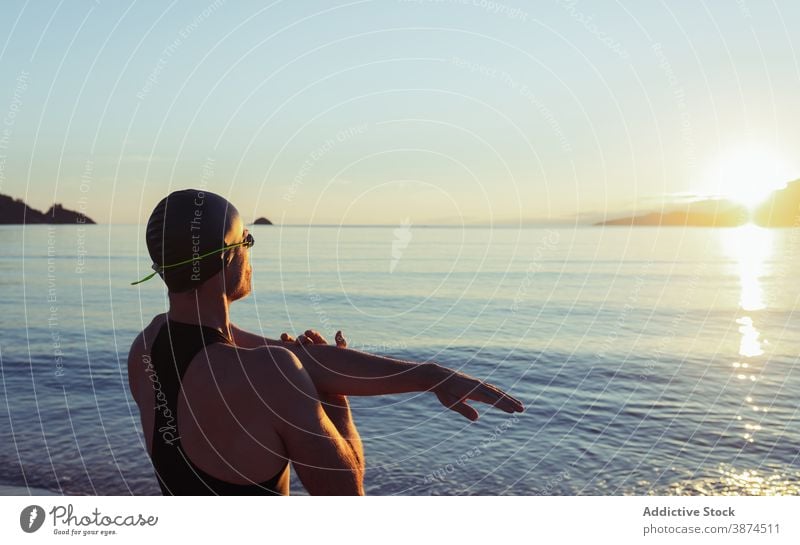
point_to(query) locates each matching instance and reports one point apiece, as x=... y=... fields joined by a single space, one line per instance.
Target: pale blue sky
x=377 y=111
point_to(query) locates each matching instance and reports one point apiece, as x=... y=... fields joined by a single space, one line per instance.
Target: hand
x=313 y=337
x=330 y=402
x=455 y=389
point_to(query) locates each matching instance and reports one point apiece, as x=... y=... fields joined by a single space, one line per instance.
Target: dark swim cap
x=186 y=224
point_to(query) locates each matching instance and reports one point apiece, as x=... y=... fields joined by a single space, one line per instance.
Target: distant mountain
x=677 y=218
x=262 y=221
x=781 y=209
x=15 y=211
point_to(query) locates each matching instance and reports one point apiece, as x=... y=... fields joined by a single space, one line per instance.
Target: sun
x=748 y=176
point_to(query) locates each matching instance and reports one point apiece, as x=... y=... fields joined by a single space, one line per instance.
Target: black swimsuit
x=176 y=473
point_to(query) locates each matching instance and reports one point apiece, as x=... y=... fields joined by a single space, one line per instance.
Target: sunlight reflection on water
x=752 y=248
x=740 y=482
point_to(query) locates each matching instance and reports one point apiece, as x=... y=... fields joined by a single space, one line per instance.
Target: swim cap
x=184 y=225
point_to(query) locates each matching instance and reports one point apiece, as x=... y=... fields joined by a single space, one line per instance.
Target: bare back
x=224 y=428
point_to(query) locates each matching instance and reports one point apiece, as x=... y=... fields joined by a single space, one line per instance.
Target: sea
x=651 y=361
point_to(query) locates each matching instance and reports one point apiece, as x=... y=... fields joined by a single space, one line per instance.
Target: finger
x=511 y=400
x=340 y=340
x=465 y=410
x=302 y=339
x=486 y=393
x=497 y=391
x=316 y=337
x=285 y=337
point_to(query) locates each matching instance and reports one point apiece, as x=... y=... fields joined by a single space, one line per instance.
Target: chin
x=240 y=293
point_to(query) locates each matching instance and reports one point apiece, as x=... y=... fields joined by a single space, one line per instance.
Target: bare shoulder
x=145 y=338
x=274 y=365
x=139 y=354
x=277 y=378
x=140 y=347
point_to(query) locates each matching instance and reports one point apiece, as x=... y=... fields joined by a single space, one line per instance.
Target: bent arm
x=338 y=410
x=322 y=456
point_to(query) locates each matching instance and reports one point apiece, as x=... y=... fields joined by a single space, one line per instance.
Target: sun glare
x=748 y=176
x=751 y=248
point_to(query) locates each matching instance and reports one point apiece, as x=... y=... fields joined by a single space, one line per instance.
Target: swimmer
x=225 y=411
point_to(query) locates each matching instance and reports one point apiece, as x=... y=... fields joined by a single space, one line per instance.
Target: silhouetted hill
x=674 y=219
x=262 y=221
x=709 y=213
x=15 y=211
x=781 y=209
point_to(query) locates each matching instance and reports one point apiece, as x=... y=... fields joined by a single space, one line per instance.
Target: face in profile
x=237 y=275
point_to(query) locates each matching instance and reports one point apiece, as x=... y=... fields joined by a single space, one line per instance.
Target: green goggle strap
x=161 y=268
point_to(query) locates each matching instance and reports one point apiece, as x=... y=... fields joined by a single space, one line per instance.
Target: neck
x=199 y=307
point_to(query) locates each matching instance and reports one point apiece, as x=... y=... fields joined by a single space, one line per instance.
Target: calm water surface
x=651 y=361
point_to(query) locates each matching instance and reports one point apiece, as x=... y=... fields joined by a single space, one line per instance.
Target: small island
x=16 y=212
x=262 y=221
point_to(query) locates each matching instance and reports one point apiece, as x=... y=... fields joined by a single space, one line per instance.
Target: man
x=224 y=410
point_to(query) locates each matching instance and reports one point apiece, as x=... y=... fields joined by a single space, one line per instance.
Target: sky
x=385 y=111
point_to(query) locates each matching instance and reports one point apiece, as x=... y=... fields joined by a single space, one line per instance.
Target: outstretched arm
x=344 y=371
